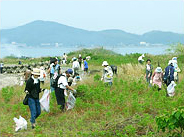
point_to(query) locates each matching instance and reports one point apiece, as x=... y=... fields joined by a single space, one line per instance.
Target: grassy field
x=128 y=108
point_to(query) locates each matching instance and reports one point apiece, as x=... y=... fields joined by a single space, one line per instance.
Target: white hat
x=170 y=62
x=158 y=69
x=105 y=63
x=174 y=58
x=36 y=71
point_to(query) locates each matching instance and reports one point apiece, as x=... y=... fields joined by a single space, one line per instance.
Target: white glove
x=26 y=92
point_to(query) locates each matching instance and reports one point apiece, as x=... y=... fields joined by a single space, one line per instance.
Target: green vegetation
x=128 y=108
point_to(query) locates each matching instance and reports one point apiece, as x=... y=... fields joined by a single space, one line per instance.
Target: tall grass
x=128 y=108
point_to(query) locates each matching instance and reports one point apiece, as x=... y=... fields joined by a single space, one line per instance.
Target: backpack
x=54 y=76
x=167 y=77
x=54 y=84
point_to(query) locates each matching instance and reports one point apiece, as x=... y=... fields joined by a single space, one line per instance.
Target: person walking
x=169 y=73
x=149 y=69
x=75 y=66
x=33 y=89
x=54 y=72
x=157 y=77
x=85 y=66
x=1 y=67
x=107 y=74
x=62 y=84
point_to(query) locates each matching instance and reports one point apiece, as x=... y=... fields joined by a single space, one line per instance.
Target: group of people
x=60 y=82
x=158 y=77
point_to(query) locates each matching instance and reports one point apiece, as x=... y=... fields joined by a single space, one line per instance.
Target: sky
x=134 y=16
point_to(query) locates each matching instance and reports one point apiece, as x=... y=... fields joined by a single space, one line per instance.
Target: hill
x=38 y=32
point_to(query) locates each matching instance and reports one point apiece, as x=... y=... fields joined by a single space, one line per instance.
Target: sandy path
x=9 y=80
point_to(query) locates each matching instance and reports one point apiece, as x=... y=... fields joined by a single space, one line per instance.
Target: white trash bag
x=45 y=101
x=70 y=102
x=171 y=89
x=21 y=123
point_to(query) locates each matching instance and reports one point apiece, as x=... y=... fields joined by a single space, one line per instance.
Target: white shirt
x=141 y=58
x=62 y=82
x=76 y=64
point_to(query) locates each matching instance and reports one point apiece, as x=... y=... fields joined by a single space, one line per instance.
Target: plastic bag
x=45 y=100
x=70 y=102
x=171 y=89
x=21 y=123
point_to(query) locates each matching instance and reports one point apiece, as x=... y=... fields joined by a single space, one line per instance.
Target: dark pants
x=60 y=97
x=34 y=106
x=86 y=69
x=80 y=63
x=1 y=70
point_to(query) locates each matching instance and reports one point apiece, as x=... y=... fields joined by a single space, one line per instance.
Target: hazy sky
x=135 y=16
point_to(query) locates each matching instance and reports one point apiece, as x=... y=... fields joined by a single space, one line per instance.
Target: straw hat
x=158 y=69
x=105 y=63
x=36 y=71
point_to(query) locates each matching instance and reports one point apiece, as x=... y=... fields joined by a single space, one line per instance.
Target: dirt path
x=9 y=80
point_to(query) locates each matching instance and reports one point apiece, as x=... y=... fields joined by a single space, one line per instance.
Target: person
x=64 y=58
x=149 y=69
x=176 y=68
x=157 y=77
x=140 y=59
x=27 y=74
x=107 y=74
x=1 y=67
x=75 y=66
x=62 y=84
x=33 y=89
x=43 y=75
x=85 y=66
x=114 y=69
x=80 y=60
x=169 y=73
x=54 y=72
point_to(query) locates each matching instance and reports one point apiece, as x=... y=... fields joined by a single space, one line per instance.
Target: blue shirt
x=53 y=69
x=85 y=64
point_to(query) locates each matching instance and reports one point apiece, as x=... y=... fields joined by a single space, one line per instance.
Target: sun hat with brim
x=105 y=63
x=170 y=62
x=158 y=69
x=36 y=71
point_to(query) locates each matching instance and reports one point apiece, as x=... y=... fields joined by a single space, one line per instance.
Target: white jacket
x=76 y=64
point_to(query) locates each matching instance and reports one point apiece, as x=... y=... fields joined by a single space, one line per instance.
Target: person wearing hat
x=75 y=65
x=61 y=86
x=157 y=78
x=107 y=74
x=149 y=69
x=33 y=89
x=54 y=71
x=169 y=73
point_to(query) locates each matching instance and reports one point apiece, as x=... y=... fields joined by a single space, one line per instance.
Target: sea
x=42 y=51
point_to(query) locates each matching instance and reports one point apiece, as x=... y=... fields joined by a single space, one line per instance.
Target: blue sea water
x=39 y=51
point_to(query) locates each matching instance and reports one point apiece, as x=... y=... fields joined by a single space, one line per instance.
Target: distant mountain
x=38 y=32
